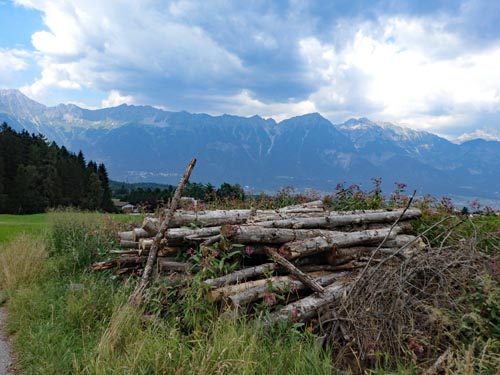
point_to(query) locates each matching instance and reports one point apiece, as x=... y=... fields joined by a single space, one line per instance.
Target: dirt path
x=5 y=359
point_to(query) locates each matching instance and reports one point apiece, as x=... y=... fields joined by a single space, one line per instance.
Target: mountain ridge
x=142 y=142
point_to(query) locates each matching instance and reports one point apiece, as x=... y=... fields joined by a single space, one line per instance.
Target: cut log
x=139 y=233
x=242 y=275
x=329 y=239
x=174 y=266
x=100 y=266
x=126 y=244
x=255 y=234
x=127 y=236
x=151 y=226
x=400 y=241
x=326 y=267
x=180 y=236
x=125 y=252
x=307 y=280
x=145 y=243
x=307 y=308
x=336 y=220
x=211 y=218
x=130 y=261
x=225 y=291
x=313 y=204
x=286 y=284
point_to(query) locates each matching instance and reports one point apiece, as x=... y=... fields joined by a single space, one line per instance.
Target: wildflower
x=249 y=250
x=475 y=204
x=371 y=351
x=400 y=185
x=191 y=252
x=269 y=299
x=415 y=346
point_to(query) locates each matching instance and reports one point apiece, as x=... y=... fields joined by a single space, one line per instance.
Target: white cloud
x=246 y=104
x=115 y=99
x=410 y=71
x=129 y=45
x=490 y=134
x=11 y=60
x=276 y=60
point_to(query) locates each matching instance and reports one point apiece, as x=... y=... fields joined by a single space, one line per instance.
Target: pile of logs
x=305 y=252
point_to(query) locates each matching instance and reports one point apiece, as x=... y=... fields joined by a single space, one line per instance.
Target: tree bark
x=127 y=236
x=174 y=266
x=276 y=284
x=137 y=296
x=185 y=236
x=306 y=308
x=151 y=225
x=294 y=270
x=329 y=239
x=400 y=240
x=126 y=244
x=242 y=275
x=337 y=220
x=139 y=233
x=225 y=291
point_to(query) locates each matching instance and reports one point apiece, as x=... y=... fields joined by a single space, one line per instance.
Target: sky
x=432 y=65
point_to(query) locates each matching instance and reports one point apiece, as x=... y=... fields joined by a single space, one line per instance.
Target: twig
x=384 y=240
x=406 y=245
x=137 y=296
x=307 y=280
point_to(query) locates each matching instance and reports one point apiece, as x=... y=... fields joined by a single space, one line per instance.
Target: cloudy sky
x=428 y=64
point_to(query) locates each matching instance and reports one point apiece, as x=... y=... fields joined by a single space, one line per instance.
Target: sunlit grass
x=13 y=225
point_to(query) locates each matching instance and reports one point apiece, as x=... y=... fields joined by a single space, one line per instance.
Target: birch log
x=151 y=226
x=330 y=239
x=281 y=283
x=127 y=244
x=306 y=308
x=139 y=233
x=241 y=275
x=336 y=220
x=127 y=236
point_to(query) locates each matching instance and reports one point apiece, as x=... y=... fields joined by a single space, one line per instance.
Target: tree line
x=151 y=197
x=36 y=175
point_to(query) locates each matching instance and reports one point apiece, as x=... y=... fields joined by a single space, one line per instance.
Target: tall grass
x=22 y=262
x=227 y=346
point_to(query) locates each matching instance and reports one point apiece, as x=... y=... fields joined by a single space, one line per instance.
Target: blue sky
x=428 y=64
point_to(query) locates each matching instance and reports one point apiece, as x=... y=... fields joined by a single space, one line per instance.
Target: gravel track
x=5 y=359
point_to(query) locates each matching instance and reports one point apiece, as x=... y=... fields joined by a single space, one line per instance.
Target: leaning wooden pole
x=137 y=296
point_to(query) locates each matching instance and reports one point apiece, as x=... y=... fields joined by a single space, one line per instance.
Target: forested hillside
x=36 y=175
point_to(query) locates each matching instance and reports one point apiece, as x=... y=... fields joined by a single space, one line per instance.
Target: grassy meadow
x=12 y=226
x=66 y=319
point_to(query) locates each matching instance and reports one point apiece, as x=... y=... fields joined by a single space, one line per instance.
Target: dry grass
x=21 y=262
x=123 y=326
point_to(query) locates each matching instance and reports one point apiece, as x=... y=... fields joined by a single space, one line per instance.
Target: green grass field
x=13 y=225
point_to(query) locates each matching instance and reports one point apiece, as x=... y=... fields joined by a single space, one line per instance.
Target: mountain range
x=142 y=143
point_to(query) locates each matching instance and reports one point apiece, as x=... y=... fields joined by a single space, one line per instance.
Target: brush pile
x=305 y=254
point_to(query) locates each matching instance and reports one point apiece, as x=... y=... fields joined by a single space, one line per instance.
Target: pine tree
x=107 y=203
